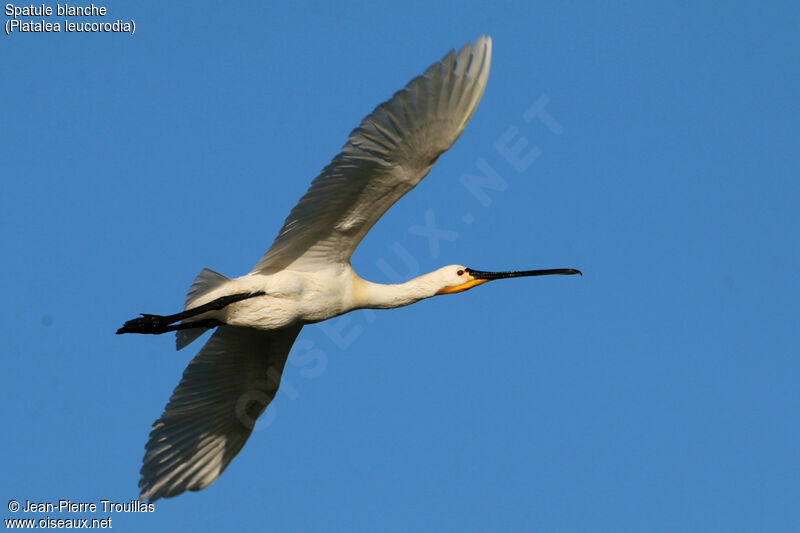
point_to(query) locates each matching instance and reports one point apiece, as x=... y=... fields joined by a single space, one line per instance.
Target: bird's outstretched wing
x=385 y=157
x=213 y=410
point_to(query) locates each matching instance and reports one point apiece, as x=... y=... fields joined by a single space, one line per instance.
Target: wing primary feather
x=202 y=429
x=385 y=156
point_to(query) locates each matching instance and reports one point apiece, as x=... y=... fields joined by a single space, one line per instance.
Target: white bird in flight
x=306 y=277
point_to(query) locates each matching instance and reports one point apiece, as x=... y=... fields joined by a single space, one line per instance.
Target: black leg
x=205 y=323
x=157 y=324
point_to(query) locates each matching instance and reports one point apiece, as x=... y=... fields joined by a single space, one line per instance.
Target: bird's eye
x=460 y=272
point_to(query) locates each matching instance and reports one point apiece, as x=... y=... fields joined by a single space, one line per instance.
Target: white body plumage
x=295 y=297
x=306 y=276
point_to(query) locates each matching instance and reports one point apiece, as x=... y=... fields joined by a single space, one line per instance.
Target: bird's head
x=458 y=278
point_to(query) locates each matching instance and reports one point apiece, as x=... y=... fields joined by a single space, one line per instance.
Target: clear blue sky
x=657 y=393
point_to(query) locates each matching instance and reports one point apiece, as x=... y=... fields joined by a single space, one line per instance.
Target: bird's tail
x=206 y=281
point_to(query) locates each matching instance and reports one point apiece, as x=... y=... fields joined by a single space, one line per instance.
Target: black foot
x=157 y=324
x=153 y=324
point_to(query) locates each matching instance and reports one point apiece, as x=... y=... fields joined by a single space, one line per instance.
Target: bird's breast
x=291 y=298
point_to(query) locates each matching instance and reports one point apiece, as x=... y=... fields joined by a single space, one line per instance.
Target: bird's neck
x=368 y=295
